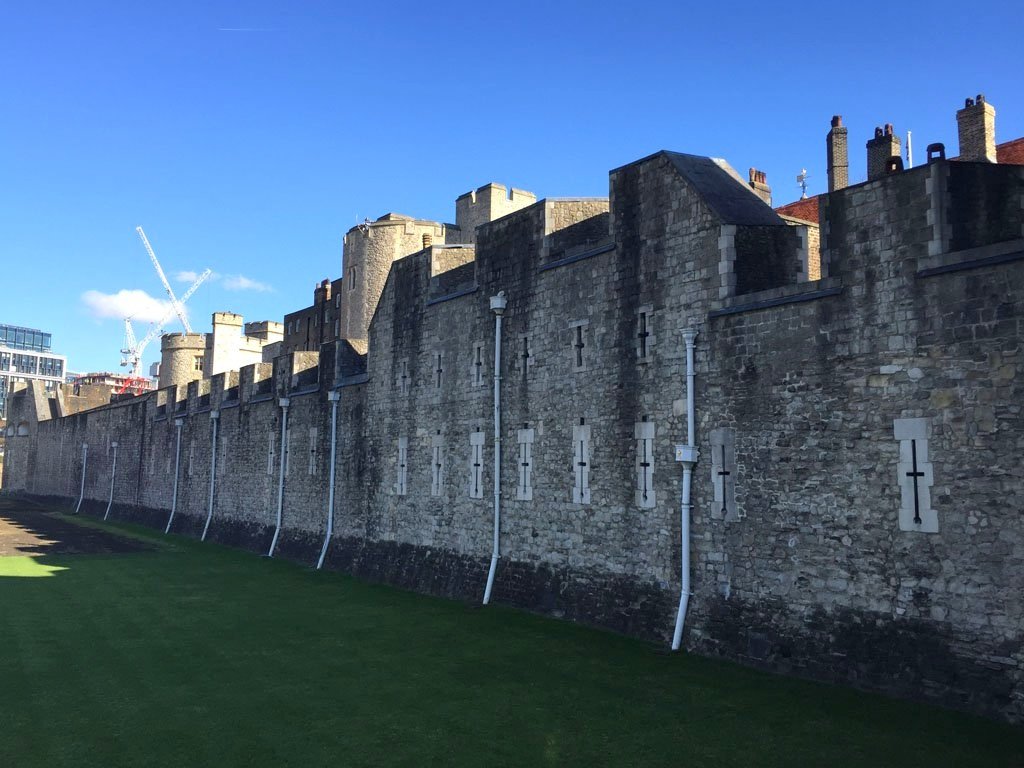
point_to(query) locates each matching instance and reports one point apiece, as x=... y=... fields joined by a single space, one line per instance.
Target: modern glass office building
x=25 y=354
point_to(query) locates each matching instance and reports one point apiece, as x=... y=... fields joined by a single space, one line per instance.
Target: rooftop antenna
x=910 y=154
x=801 y=179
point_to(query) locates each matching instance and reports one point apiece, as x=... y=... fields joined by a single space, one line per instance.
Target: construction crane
x=131 y=354
x=175 y=304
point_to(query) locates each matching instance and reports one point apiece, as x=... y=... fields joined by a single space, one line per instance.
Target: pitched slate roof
x=723 y=190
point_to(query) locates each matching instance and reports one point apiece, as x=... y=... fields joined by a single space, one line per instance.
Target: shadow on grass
x=202 y=655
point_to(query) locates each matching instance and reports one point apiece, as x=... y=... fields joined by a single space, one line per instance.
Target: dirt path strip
x=26 y=529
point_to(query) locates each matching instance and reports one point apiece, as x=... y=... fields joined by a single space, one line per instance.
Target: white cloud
x=243 y=283
x=188 y=276
x=135 y=304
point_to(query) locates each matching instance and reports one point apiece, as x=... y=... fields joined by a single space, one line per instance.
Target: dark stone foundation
x=907 y=658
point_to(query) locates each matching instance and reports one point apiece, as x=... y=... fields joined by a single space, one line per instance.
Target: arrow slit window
x=581 y=463
x=644 y=435
x=287 y=448
x=403 y=465
x=402 y=376
x=311 y=470
x=578 y=344
x=436 y=465
x=723 y=474
x=438 y=372
x=915 y=476
x=524 y=491
x=644 y=334
x=477 y=367
x=476 y=465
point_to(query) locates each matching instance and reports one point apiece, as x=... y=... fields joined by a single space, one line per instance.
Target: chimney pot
x=881 y=149
x=428 y=240
x=759 y=184
x=837 y=155
x=976 y=126
x=936 y=151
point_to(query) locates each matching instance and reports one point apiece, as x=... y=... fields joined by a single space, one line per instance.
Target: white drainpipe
x=334 y=396
x=284 y=402
x=498 y=307
x=688 y=456
x=113 y=471
x=179 y=423
x=215 y=420
x=85 y=463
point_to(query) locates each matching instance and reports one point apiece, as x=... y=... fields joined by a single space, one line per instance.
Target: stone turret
x=181 y=358
x=485 y=204
x=369 y=250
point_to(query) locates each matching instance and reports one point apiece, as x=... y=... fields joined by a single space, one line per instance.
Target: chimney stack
x=881 y=149
x=838 y=158
x=976 y=124
x=759 y=183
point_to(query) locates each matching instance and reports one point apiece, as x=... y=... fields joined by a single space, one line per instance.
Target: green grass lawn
x=194 y=654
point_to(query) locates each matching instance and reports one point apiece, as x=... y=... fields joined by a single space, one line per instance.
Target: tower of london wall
x=856 y=501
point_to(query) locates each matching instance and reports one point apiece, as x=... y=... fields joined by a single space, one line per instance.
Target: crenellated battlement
x=856 y=433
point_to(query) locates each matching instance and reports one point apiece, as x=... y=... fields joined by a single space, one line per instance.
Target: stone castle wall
x=808 y=397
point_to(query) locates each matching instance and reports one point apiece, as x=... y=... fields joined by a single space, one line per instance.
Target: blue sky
x=248 y=137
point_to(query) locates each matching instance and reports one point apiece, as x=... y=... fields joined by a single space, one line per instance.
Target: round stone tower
x=181 y=358
x=369 y=250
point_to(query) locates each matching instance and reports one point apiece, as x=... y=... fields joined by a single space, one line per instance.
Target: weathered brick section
x=801 y=563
